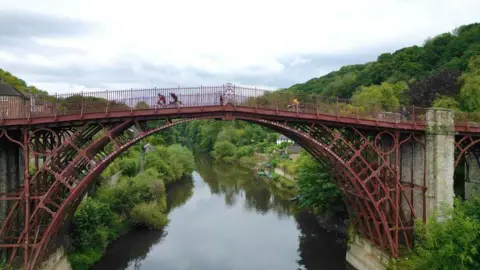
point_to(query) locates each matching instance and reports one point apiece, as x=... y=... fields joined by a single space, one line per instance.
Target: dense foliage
x=447 y=53
x=229 y=141
x=137 y=199
x=450 y=244
x=316 y=189
x=19 y=84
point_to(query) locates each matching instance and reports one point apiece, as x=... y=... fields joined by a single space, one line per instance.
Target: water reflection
x=130 y=250
x=317 y=247
x=179 y=193
x=234 y=181
x=223 y=218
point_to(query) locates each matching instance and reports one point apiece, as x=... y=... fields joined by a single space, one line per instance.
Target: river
x=224 y=218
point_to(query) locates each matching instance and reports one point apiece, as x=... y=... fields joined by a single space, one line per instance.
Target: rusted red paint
x=363 y=150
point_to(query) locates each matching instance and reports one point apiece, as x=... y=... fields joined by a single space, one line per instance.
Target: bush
x=451 y=244
x=150 y=215
x=181 y=160
x=315 y=188
x=224 y=149
x=244 y=151
x=129 y=166
x=91 y=223
x=83 y=259
x=119 y=197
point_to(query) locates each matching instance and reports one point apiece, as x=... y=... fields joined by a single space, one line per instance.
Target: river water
x=224 y=218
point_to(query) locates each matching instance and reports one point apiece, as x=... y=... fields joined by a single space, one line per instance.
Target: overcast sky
x=68 y=45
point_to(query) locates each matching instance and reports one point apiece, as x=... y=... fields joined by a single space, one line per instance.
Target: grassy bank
x=136 y=199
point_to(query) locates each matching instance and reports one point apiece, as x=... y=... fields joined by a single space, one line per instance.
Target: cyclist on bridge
x=175 y=99
x=294 y=104
x=161 y=100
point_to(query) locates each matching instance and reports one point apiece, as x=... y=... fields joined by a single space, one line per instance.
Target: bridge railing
x=140 y=99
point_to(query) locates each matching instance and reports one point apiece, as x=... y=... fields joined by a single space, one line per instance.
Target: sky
x=70 y=45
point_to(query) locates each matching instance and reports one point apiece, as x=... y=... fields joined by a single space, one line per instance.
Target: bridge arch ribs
x=365 y=166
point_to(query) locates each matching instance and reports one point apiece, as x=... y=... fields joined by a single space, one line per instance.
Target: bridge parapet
x=133 y=100
x=205 y=96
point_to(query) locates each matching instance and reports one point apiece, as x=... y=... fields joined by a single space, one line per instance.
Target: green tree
x=316 y=189
x=446 y=103
x=91 y=222
x=129 y=166
x=470 y=92
x=150 y=215
x=386 y=94
x=181 y=160
x=224 y=150
x=450 y=51
x=451 y=244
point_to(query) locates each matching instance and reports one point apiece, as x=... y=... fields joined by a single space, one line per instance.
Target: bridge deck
x=70 y=109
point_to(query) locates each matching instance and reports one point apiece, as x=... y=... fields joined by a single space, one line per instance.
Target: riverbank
x=228 y=208
x=136 y=199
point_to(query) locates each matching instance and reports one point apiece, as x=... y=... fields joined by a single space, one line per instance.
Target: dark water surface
x=226 y=219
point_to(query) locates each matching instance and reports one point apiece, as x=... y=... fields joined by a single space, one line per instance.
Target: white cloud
x=231 y=38
x=299 y=61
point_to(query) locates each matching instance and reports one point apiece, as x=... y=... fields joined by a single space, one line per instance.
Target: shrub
x=150 y=215
x=243 y=151
x=224 y=149
x=451 y=244
x=129 y=166
x=181 y=160
x=315 y=188
x=91 y=224
x=83 y=259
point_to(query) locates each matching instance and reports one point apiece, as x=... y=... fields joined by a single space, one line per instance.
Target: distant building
x=148 y=148
x=13 y=103
x=282 y=139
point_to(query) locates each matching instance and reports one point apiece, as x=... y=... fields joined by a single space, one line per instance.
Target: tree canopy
x=436 y=70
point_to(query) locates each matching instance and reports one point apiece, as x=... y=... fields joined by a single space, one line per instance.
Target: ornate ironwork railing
x=203 y=96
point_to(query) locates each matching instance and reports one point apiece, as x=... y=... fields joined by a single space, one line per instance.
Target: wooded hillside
x=444 y=72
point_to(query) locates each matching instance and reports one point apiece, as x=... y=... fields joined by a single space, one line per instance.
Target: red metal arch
x=94 y=172
x=463 y=145
x=304 y=139
x=365 y=207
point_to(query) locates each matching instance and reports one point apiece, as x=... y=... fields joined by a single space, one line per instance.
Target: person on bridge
x=294 y=104
x=175 y=99
x=161 y=100
x=405 y=113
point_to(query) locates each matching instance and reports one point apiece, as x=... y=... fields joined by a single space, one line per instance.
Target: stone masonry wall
x=472 y=183
x=440 y=150
x=412 y=164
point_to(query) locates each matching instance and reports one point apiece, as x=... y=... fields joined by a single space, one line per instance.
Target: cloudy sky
x=68 y=45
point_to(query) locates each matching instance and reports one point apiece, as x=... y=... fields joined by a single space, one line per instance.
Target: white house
x=283 y=138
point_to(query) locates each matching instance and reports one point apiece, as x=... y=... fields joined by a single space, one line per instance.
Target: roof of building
x=8 y=90
x=283 y=138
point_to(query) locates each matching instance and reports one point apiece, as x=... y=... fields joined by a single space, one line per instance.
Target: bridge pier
x=11 y=172
x=363 y=255
x=472 y=175
x=11 y=176
x=427 y=161
x=440 y=156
